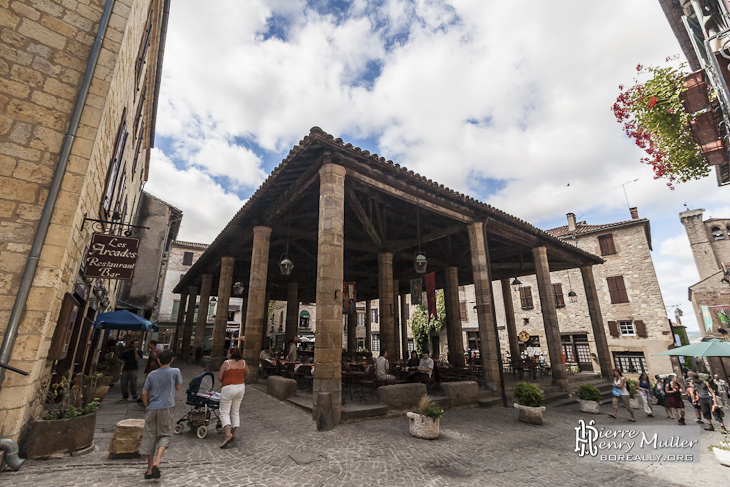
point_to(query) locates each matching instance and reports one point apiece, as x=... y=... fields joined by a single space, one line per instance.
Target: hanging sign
x=417 y=291
x=349 y=297
x=430 y=281
x=111 y=257
x=523 y=336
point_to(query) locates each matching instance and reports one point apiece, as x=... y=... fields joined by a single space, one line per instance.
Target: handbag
x=616 y=392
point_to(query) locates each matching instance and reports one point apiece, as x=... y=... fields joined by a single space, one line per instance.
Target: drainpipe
x=11 y=453
x=40 y=236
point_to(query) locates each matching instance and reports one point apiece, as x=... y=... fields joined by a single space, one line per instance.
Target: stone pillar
x=385 y=298
x=188 y=330
x=599 y=331
x=509 y=311
x=368 y=326
x=292 y=311
x=179 y=325
x=489 y=348
x=203 y=306
x=454 y=336
x=404 y=326
x=217 y=349
x=256 y=307
x=550 y=318
x=395 y=351
x=330 y=273
x=265 y=341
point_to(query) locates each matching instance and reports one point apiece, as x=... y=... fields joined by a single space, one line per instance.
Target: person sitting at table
x=414 y=360
x=382 y=367
x=424 y=370
x=305 y=361
x=266 y=355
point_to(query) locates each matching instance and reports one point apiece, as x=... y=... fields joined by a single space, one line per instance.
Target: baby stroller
x=203 y=401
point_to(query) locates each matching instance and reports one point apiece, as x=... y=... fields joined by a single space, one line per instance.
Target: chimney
x=634 y=213
x=571 y=222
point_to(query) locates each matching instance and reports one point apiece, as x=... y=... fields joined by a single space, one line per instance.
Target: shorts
x=706 y=404
x=157 y=430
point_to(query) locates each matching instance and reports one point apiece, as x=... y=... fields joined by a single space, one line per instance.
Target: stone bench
x=127 y=438
x=281 y=387
x=401 y=396
x=461 y=393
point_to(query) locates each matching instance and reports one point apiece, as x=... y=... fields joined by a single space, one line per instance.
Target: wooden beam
x=398 y=245
x=362 y=216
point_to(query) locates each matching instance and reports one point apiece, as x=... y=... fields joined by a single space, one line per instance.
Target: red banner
x=430 y=281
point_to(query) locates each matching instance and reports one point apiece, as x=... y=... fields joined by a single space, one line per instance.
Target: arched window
x=717 y=233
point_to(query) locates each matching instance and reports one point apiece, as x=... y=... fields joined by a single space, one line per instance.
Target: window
x=617 y=289
x=376 y=342
x=281 y=317
x=231 y=316
x=112 y=176
x=211 y=311
x=472 y=339
x=175 y=309
x=138 y=115
x=374 y=315
x=360 y=319
x=526 y=297
x=717 y=234
x=525 y=321
x=137 y=150
x=411 y=345
x=142 y=53
x=462 y=310
x=558 y=291
x=630 y=362
x=188 y=258
x=360 y=343
x=303 y=322
x=606 y=244
x=626 y=328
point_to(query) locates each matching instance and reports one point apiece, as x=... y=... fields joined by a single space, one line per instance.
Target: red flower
x=652 y=102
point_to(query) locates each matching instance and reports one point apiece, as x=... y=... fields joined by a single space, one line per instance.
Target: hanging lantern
x=286 y=265
x=572 y=296
x=238 y=288
x=516 y=284
x=420 y=263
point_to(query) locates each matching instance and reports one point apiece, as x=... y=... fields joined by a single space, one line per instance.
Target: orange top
x=233 y=376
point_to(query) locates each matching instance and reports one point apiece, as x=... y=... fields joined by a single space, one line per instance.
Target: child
x=158 y=396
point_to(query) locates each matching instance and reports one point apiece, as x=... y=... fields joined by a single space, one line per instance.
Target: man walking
x=708 y=402
x=721 y=390
x=152 y=363
x=129 y=357
x=158 y=396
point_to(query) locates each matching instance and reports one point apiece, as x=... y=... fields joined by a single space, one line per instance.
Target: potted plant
x=95 y=388
x=633 y=387
x=722 y=451
x=67 y=424
x=424 y=419
x=590 y=399
x=529 y=398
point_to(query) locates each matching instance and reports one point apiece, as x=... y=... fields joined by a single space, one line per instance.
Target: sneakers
x=723 y=430
x=710 y=428
x=681 y=422
x=699 y=421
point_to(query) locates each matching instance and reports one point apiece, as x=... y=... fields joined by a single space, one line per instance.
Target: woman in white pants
x=645 y=393
x=232 y=375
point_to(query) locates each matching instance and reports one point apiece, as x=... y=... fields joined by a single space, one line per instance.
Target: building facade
x=79 y=84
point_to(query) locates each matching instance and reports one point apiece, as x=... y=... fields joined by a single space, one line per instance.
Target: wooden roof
x=383 y=203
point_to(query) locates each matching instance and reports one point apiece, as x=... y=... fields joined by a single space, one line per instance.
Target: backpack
x=659 y=390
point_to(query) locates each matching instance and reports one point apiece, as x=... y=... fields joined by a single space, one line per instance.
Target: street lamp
x=420 y=263
x=238 y=288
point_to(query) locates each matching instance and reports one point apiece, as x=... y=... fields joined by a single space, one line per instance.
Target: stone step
x=352 y=412
x=490 y=401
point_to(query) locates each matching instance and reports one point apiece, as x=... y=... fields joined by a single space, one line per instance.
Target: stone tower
x=708 y=240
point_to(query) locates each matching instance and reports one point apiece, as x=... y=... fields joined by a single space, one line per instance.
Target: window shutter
x=640 y=328
x=558 y=291
x=526 y=297
x=606 y=244
x=462 y=310
x=621 y=289
x=613 y=328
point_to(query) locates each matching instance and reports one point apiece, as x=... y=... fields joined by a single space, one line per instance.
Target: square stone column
x=395 y=352
x=489 y=348
x=180 y=323
x=509 y=311
x=188 y=329
x=599 y=331
x=207 y=283
x=385 y=293
x=550 y=318
x=265 y=340
x=404 y=326
x=292 y=312
x=352 y=331
x=256 y=301
x=454 y=336
x=368 y=326
x=217 y=349
x=330 y=273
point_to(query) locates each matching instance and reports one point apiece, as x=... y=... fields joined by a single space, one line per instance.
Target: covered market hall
x=343 y=215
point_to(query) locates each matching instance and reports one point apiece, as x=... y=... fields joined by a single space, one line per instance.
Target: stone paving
x=278 y=444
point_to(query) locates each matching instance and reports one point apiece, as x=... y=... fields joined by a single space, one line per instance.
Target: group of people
x=421 y=369
x=708 y=396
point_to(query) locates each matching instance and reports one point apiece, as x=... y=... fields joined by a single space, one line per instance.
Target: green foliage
x=63 y=399
x=420 y=325
x=633 y=387
x=589 y=393
x=426 y=407
x=528 y=394
x=91 y=407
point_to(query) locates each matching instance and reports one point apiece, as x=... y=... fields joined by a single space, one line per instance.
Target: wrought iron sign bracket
x=98 y=228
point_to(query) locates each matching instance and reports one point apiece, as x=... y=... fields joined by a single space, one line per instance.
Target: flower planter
x=714 y=152
x=722 y=455
x=48 y=437
x=423 y=426
x=695 y=97
x=529 y=414
x=704 y=128
x=592 y=407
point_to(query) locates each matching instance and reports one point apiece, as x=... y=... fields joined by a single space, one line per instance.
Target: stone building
x=635 y=319
x=79 y=83
x=710 y=297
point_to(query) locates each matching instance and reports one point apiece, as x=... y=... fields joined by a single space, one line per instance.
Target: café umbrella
x=710 y=348
x=123 y=320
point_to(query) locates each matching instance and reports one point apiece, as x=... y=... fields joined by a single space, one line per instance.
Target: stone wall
x=699 y=240
x=44 y=49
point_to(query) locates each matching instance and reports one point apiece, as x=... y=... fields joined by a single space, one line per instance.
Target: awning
x=123 y=320
x=304 y=314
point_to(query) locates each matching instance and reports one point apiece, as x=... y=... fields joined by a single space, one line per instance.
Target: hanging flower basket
x=714 y=152
x=695 y=96
x=704 y=128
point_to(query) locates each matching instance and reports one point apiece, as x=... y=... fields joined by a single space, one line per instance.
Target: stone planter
x=634 y=402
x=48 y=437
x=592 y=407
x=529 y=414
x=99 y=393
x=722 y=455
x=423 y=426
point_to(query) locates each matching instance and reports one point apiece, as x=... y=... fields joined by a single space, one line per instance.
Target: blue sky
x=508 y=102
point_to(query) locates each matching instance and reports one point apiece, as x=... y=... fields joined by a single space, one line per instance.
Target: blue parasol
x=124 y=320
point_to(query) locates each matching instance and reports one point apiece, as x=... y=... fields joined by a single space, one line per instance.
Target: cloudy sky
x=508 y=102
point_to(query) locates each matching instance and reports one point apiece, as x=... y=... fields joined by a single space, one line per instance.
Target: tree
x=420 y=325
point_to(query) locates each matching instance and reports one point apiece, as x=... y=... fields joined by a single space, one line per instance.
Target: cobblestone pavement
x=278 y=444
